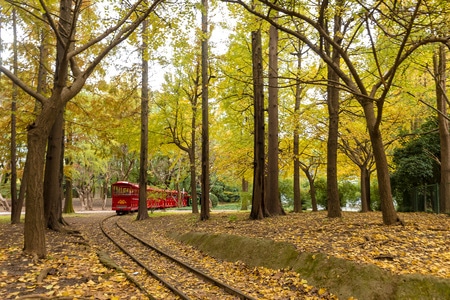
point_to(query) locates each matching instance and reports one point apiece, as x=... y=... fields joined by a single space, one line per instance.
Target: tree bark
x=364 y=190
x=440 y=77
x=143 y=163
x=53 y=175
x=14 y=201
x=204 y=214
x=384 y=185
x=298 y=90
x=273 y=202
x=34 y=228
x=334 y=206
x=192 y=154
x=312 y=189
x=68 y=196
x=258 y=206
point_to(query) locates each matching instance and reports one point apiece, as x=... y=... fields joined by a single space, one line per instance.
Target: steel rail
x=172 y=288
x=229 y=289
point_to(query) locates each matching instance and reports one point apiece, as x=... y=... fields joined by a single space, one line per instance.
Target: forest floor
x=72 y=269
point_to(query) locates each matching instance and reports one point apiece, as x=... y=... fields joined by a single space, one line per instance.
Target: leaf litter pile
x=72 y=269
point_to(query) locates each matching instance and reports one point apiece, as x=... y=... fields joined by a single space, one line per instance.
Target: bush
x=214 y=200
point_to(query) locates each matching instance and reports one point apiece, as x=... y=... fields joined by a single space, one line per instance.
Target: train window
x=119 y=190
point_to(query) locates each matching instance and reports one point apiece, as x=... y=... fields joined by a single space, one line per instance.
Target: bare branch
x=23 y=85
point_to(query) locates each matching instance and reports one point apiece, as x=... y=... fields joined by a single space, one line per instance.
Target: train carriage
x=125 y=198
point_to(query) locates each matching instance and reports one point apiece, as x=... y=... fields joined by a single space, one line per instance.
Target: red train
x=125 y=197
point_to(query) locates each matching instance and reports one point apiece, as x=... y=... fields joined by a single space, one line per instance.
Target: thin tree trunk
x=258 y=206
x=298 y=90
x=68 y=196
x=193 y=174
x=244 y=195
x=334 y=206
x=384 y=185
x=440 y=76
x=312 y=190
x=143 y=165
x=14 y=201
x=363 y=180
x=204 y=215
x=273 y=202
x=192 y=155
x=368 y=198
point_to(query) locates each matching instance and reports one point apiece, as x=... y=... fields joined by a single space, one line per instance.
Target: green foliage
x=214 y=199
x=321 y=191
x=246 y=199
x=415 y=163
x=286 y=192
x=375 y=201
x=224 y=192
x=349 y=192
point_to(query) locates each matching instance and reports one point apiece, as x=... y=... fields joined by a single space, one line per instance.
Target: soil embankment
x=341 y=277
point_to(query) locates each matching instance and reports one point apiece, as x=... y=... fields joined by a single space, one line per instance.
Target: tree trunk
x=312 y=190
x=363 y=180
x=384 y=185
x=368 y=198
x=68 y=196
x=440 y=77
x=143 y=164
x=193 y=173
x=16 y=211
x=204 y=215
x=14 y=201
x=298 y=90
x=334 y=205
x=38 y=133
x=68 y=202
x=53 y=175
x=273 y=202
x=34 y=229
x=192 y=156
x=258 y=207
x=244 y=195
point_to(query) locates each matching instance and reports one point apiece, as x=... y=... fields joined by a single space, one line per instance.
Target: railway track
x=171 y=278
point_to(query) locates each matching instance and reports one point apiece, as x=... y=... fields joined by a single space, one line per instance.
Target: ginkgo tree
x=75 y=57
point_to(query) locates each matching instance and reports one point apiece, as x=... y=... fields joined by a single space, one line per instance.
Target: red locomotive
x=125 y=198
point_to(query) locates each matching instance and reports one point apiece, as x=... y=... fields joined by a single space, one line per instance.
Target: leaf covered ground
x=73 y=269
x=421 y=246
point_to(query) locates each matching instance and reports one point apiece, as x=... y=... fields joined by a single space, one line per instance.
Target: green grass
x=229 y=206
x=6 y=219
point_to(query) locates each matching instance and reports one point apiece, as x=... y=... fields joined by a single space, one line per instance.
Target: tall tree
x=63 y=91
x=185 y=86
x=334 y=207
x=296 y=133
x=17 y=207
x=272 y=197
x=205 y=207
x=440 y=68
x=143 y=162
x=259 y=210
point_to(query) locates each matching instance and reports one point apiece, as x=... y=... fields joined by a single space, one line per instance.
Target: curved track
x=183 y=280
